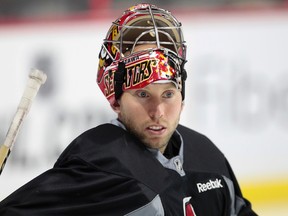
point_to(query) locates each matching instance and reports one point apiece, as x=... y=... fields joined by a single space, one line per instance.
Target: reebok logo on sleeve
x=202 y=187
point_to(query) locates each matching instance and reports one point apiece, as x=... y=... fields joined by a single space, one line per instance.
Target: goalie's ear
x=116 y=107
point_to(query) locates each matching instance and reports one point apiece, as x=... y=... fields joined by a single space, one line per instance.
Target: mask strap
x=183 y=79
x=119 y=76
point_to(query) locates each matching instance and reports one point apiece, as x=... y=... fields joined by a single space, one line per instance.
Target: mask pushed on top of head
x=143 y=46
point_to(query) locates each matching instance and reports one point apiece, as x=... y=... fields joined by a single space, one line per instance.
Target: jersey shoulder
x=93 y=143
x=201 y=154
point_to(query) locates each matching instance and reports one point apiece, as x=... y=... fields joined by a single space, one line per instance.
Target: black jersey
x=107 y=171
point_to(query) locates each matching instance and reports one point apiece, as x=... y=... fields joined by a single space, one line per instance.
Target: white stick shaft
x=36 y=79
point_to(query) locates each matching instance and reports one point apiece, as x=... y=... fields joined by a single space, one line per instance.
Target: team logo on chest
x=187 y=207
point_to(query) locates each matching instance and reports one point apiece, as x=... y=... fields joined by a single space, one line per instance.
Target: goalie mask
x=122 y=66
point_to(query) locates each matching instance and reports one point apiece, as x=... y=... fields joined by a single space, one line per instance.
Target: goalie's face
x=151 y=113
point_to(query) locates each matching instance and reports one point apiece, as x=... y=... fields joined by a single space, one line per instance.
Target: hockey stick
x=36 y=79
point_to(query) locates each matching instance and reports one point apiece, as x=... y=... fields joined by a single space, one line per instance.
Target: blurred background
x=237 y=87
